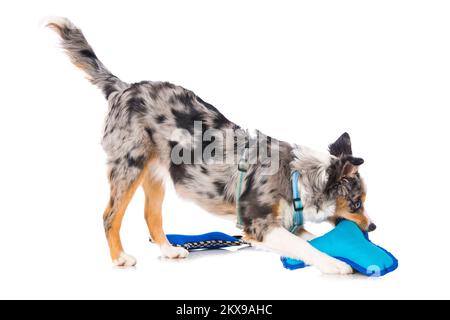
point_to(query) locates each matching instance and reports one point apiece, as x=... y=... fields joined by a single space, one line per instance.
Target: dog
x=150 y=134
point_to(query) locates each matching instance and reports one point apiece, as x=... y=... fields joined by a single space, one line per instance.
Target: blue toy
x=348 y=243
x=345 y=242
x=212 y=240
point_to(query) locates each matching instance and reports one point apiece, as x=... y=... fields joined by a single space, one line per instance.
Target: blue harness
x=297 y=203
x=296 y=199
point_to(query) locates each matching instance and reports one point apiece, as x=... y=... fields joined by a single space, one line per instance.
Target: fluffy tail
x=81 y=54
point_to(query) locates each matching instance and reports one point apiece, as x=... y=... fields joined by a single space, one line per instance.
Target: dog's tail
x=81 y=54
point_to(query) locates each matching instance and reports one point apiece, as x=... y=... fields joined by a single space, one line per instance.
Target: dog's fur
x=139 y=141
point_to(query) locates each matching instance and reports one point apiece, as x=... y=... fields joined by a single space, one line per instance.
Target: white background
x=303 y=72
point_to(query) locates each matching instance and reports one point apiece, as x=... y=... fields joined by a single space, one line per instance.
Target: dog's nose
x=372 y=226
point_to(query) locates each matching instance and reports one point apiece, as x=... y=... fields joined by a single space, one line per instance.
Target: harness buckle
x=243 y=165
x=298 y=204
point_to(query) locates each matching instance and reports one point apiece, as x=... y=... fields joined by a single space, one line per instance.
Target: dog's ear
x=342 y=146
x=343 y=167
x=351 y=165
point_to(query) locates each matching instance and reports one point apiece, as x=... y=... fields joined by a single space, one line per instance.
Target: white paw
x=125 y=260
x=330 y=265
x=171 y=252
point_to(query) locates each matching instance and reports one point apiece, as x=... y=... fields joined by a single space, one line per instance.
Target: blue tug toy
x=345 y=242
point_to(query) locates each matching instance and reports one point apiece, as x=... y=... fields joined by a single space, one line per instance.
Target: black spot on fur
x=220 y=120
x=150 y=134
x=250 y=202
x=207 y=105
x=135 y=88
x=210 y=195
x=178 y=172
x=203 y=169
x=220 y=187
x=185 y=119
x=134 y=91
x=161 y=118
x=155 y=89
x=92 y=58
x=168 y=85
x=251 y=209
x=172 y=144
x=108 y=89
x=136 y=105
x=88 y=54
x=186 y=98
x=137 y=162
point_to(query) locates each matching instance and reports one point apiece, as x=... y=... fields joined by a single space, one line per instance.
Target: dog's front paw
x=328 y=265
x=124 y=260
x=171 y=252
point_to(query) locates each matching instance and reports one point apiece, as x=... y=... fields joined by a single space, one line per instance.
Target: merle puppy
x=150 y=133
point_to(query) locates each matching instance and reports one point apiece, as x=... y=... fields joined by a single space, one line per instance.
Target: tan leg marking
x=118 y=204
x=154 y=196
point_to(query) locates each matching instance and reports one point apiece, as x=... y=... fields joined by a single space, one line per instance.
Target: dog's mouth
x=361 y=220
x=358 y=217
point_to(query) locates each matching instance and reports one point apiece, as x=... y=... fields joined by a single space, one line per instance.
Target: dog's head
x=346 y=185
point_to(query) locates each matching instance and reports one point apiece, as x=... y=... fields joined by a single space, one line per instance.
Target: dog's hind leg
x=124 y=180
x=154 y=195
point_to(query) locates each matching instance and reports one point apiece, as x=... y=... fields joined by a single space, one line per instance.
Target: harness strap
x=296 y=200
x=297 y=203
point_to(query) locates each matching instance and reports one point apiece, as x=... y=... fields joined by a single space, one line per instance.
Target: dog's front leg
x=305 y=234
x=287 y=244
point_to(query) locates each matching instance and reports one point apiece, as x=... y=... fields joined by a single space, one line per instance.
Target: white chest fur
x=310 y=214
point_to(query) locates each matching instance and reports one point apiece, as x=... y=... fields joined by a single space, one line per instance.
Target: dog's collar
x=296 y=202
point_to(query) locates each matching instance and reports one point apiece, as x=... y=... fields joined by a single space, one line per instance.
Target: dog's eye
x=357 y=205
